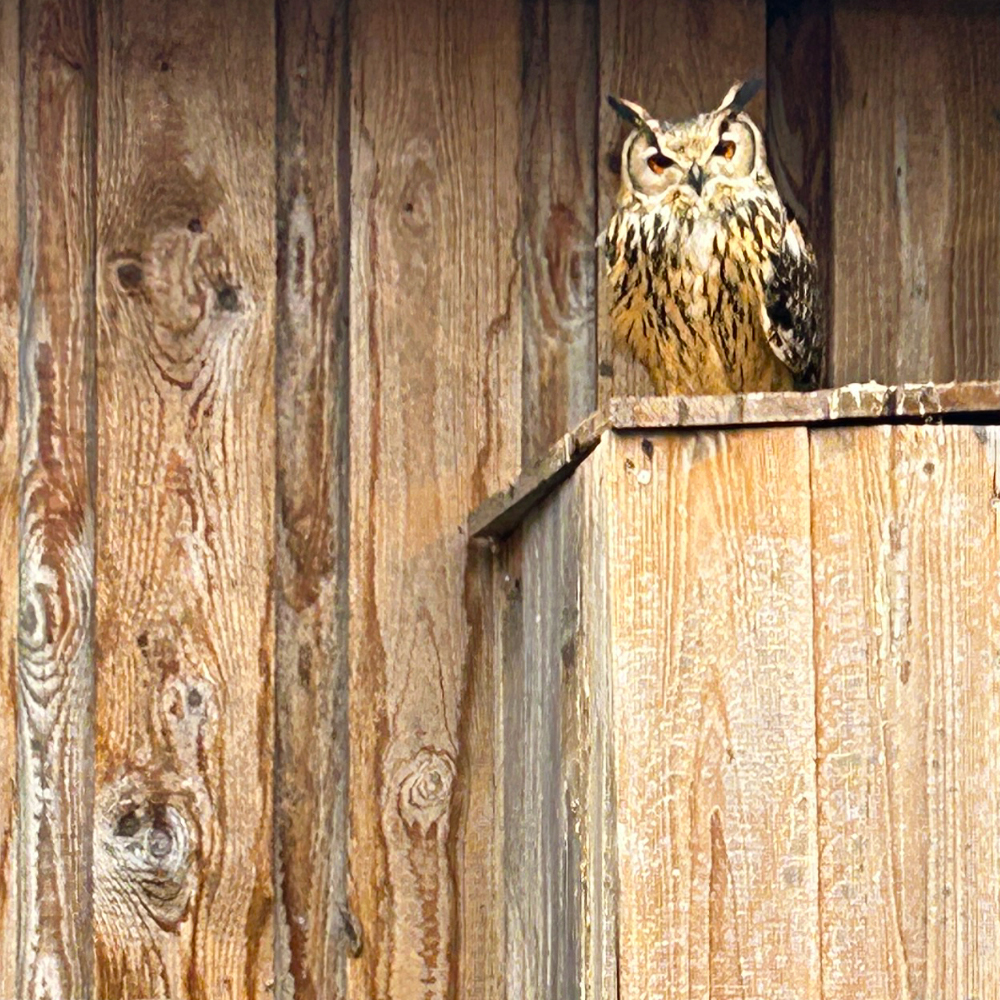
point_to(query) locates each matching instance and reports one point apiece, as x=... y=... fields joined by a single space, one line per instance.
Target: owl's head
x=705 y=160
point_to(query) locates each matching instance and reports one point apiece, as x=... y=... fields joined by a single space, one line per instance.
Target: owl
x=713 y=286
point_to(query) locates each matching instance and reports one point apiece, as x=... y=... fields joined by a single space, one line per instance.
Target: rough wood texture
x=541 y=844
x=558 y=150
x=435 y=425
x=677 y=58
x=916 y=149
x=558 y=820
x=56 y=524
x=478 y=815
x=9 y=477
x=183 y=885
x=711 y=616
x=906 y=550
x=499 y=514
x=315 y=931
x=799 y=61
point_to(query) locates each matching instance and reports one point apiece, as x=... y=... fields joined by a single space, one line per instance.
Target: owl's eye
x=658 y=163
x=726 y=148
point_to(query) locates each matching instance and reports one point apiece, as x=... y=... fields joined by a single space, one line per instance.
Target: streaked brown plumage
x=713 y=287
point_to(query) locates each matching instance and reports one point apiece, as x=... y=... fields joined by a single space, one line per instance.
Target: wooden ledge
x=498 y=515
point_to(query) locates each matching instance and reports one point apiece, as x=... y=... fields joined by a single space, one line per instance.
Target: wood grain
x=477 y=848
x=558 y=152
x=905 y=557
x=435 y=425
x=502 y=512
x=676 y=58
x=541 y=843
x=315 y=933
x=56 y=526
x=183 y=885
x=713 y=698
x=799 y=68
x=9 y=490
x=916 y=144
x=558 y=812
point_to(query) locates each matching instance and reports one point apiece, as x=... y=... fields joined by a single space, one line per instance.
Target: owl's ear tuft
x=741 y=94
x=629 y=111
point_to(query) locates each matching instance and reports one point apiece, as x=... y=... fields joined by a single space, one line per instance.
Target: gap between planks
x=500 y=513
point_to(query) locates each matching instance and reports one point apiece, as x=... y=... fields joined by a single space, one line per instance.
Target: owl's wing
x=793 y=302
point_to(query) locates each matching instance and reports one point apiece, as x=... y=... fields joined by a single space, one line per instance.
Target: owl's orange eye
x=658 y=163
x=726 y=148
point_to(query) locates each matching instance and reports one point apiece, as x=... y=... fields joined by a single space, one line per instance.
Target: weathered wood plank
x=183 y=884
x=9 y=478
x=499 y=514
x=435 y=425
x=558 y=817
x=56 y=524
x=558 y=152
x=315 y=932
x=799 y=66
x=676 y=58
x=916 y=244
x=711 y=626
x=541 y=844
x=905 y=557
x=478 y=844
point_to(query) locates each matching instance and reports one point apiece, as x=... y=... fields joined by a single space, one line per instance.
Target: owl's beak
x=696 y=177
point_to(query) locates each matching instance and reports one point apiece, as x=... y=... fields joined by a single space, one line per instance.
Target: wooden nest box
x=748 y=662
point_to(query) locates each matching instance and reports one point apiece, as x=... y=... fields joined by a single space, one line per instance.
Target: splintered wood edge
x=500 y=514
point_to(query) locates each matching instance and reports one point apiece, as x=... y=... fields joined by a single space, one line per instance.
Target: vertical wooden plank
x=799 y=67
x=9 y=318
x=56 y=525
x=713 y=714
x=479 y=815
x=916 y=243
x=541 y=848
x=558 y=819
x=558 y=154
x=315 y=931
x=677 y=58
x=435 y=425
x=588 y=737
x=907 y=613
x=183 y=839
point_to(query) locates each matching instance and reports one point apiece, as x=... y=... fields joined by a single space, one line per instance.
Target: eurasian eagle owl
x=713 y=286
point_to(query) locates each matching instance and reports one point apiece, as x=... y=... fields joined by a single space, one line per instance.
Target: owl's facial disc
x=735 y=151
x=651 y=171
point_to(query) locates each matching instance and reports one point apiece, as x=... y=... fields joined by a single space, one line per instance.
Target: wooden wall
x=286 y=289
x=787 y=694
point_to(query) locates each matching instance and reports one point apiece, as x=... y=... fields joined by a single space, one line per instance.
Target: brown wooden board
x=905 y=556
x=677 y=58
x=558 y=151
x=713 y=695
x=500 y=513
x=916 y=227
x=478 y=810
x=435 y=402
x=9 y=478
x=315 y=931
x=558 y=819
x=541 y=857
x=183 y=884
x=54 y=681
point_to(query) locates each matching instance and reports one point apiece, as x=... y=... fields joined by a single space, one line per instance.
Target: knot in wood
x=54 y=594
x=425 y=790
x=148 y=849
x=183 y=298
x=569 y=260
